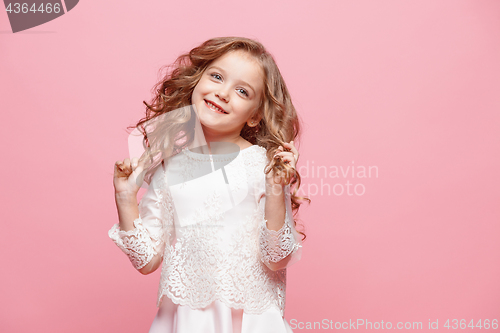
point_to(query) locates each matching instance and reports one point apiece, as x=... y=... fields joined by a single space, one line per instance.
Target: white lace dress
x=203 y=217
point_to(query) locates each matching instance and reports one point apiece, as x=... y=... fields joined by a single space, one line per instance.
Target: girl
x=218 y=216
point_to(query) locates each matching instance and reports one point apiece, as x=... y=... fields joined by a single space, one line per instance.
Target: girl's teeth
x=216 y=108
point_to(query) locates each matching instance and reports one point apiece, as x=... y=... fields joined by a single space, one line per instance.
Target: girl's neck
x=236 y=139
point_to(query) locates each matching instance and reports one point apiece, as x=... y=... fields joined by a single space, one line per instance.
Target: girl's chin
x=214 y=128
x=212 y=118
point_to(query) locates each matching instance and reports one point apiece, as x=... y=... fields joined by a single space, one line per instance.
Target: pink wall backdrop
x=408 y=88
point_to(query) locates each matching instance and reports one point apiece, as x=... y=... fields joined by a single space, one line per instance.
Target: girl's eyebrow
x=239 y=81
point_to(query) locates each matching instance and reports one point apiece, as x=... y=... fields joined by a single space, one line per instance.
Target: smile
x=214 y=107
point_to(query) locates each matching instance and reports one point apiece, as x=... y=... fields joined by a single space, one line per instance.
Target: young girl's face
x=228 y=94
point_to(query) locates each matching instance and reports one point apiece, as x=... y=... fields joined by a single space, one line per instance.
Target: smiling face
x=228 y=95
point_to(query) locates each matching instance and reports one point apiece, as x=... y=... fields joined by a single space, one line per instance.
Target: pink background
x=411 y=87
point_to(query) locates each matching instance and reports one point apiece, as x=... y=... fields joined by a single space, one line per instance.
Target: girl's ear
x=254 y=121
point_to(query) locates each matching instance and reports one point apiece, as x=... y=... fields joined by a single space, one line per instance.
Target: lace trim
x=136 y=243
x=276 y=245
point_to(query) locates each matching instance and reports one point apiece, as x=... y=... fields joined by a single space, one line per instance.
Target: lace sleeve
x=153 y=228
x=286 y=242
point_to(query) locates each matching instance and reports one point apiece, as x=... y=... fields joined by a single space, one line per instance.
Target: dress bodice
x=204 y=215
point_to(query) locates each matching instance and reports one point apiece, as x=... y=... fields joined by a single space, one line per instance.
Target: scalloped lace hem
x=234 y=305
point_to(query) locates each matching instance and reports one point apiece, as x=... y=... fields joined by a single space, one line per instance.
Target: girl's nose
x=222 y=95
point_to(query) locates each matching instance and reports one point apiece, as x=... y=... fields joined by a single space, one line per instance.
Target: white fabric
x=203 y=216
x=215 y=318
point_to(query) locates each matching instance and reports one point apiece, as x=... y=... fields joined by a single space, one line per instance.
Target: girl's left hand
x=289 y=155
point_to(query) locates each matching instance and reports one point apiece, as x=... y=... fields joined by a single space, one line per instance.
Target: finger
x=289 y=159
x=119 y=166
x=292 y=148
x=126 y=163
x=141 y=162
x=139 y=168
x=290 y=162
x=289 y=156
x=279 y=156
x=125 y=167
x=289 y=145
x=285 y=153
x=134 y=162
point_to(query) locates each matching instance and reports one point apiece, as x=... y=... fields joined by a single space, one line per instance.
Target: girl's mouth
x=215 y=107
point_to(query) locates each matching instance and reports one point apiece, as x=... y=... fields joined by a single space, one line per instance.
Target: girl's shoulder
x=254 y=157
x=254 y=151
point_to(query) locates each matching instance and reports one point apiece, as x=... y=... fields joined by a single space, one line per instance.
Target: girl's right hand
x=128 y=176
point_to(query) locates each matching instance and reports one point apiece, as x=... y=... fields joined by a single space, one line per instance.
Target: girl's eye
x=216 y=76
x=243 y=91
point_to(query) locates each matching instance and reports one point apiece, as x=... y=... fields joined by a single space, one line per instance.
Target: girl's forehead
x=240 y=63
x=238 y=58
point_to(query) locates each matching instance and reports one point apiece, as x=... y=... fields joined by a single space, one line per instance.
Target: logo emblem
x=28 y=14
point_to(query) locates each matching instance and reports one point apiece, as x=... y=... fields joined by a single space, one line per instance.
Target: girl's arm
x=128 y=237
x=143 y=229
x=279 y=241
x=275 y=206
